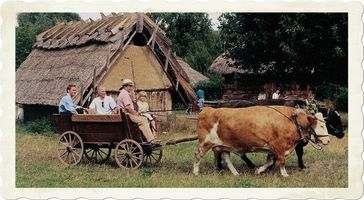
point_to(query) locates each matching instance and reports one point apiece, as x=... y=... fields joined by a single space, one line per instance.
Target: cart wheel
x=152 y=155
x=70 y=148
x=129 y=154
x=96 y=154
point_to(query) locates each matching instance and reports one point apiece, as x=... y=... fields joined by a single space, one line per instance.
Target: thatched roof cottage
x=89 y=53
x=254 y=83
x=194 y=76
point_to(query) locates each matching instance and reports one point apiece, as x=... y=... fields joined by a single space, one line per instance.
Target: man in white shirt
x=275 y=95
x=103 y=105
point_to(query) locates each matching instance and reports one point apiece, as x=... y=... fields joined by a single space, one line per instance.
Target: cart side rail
x=63 y=122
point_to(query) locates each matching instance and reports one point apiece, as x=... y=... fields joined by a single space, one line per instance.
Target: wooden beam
x=167 y=60
x=81 y=92
x=87 y=96
x=152 y=37
x=94 y=82
x=177 y=83
x=139 y=24
x=118 y=26
x=131 y=37
x=143 y=89
x=171 y=80
x=182 y=139
x=108 y=58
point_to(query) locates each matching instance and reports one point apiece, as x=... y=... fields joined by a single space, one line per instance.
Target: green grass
x=38 y=166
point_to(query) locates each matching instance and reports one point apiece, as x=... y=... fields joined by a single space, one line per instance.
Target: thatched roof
x=82 y=52
x=76 y=33
x=192 y=74
x=224 y=65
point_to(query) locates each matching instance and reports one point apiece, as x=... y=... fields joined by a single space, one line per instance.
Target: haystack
x=90 y=53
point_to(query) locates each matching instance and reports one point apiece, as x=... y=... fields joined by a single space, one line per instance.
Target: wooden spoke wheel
x=129 y=154
x=152 y=154
x=70 y=148
x=96 y=154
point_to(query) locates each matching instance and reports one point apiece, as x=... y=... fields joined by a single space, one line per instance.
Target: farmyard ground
x=38 y=167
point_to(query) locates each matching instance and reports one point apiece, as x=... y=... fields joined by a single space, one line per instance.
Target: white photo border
x=9 y=10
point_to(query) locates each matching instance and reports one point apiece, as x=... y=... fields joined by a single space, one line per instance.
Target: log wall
x=289 y=91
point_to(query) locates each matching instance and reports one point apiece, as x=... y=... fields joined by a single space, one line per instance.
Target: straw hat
x=127 y=82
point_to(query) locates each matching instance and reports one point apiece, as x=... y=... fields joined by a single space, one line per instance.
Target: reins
x=300 y=129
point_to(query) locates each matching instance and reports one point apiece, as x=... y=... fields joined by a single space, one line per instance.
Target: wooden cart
x=95 y=136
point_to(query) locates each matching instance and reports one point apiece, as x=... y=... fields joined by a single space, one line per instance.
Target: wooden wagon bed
x=94 y=136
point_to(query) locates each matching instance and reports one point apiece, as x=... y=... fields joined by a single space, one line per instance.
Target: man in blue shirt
x=201 y=98
x=66 y=105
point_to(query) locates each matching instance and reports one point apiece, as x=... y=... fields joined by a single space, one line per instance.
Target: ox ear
x=311 y=119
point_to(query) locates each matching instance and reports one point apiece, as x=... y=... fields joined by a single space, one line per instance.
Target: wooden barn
x=253 y=83
x=92 y=53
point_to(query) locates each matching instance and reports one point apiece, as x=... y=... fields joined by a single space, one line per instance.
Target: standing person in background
x=262 y=95
x=144 y=108
x=276 y=95
x=201 y=98
x=66 y=105
x=103 y=104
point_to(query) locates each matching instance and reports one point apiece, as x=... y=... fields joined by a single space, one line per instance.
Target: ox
x=331 y=116
x=275 y=130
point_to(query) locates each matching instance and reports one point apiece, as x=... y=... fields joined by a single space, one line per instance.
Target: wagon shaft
x=182 y=139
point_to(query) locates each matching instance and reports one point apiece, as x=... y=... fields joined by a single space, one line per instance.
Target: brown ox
x=272 y=129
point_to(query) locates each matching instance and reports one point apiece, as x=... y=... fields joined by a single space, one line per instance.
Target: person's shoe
x=155 y=141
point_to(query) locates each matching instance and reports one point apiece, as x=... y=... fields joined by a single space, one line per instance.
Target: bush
x=338 y=94
x=39 y=126
x=213 y=87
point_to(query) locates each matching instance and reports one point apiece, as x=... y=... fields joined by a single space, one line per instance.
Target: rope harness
x=300 y=129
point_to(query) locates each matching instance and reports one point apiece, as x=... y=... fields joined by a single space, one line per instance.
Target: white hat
x=127 y=82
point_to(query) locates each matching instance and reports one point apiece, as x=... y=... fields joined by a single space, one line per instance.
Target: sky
x=212 y=15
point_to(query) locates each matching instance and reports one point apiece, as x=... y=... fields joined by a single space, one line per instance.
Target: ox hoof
x=236 y=174
x=284 y=172
x=259 y=170
x=302 y=168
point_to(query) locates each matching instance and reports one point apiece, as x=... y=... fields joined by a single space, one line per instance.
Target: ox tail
x=182 y=139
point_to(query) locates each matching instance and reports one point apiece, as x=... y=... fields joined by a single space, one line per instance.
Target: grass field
x=38 y=166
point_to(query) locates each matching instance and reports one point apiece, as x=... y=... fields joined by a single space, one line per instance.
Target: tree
x=32 y=24
x=311 y=47
x=192 y=37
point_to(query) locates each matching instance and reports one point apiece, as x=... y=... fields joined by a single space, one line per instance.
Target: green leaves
x=32 y=24
x=308 y=46
x=192 y=37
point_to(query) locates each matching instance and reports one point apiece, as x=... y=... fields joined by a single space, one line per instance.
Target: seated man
x=66 y=105
x=126 y=105
x=102 y=105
